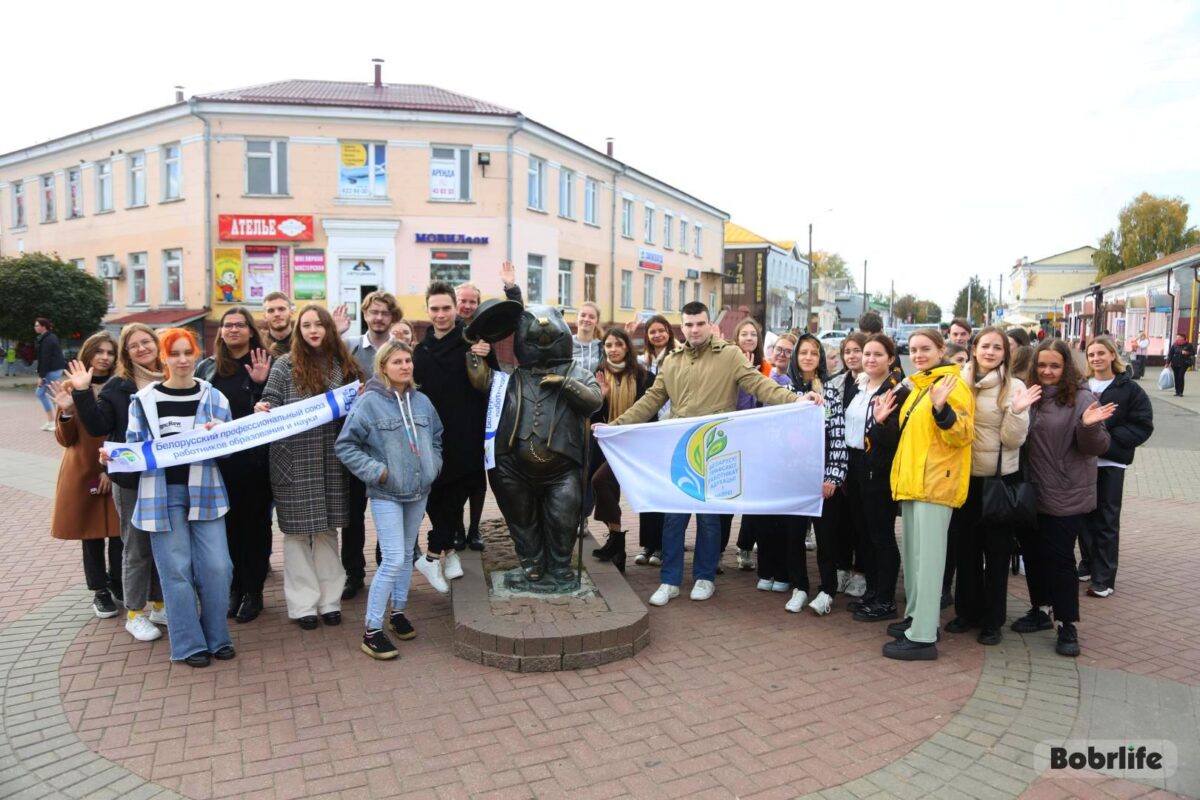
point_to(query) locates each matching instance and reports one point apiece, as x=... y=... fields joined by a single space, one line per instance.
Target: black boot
x=251 y=607
x=618 y=555
x=235 y=601
x=615 y=542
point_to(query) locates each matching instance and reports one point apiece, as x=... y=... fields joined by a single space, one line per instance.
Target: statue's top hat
x=494 y=320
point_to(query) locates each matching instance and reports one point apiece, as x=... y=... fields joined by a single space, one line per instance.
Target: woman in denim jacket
x=392 y=442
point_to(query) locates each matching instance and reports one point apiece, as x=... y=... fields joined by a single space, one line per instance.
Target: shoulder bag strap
x=913 y=407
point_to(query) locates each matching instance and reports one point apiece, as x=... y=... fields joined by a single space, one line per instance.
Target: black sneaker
x=907 y=650
x=377 y=645
x=1035 y=620
x=877 y=613
x=332 y=618
x=235 y=602
x=864 y=602
x=1068 y=641
x=474 y=541
x=898 y=628
x=354 y=585
x=225 y=653
x=308 y=623
x=402 y=627
x=1084 y=573
x=959 y=625
x=103 y=604
x=990 y=636
x=201 y=659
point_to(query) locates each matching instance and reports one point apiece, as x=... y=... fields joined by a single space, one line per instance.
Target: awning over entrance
x=161 y=317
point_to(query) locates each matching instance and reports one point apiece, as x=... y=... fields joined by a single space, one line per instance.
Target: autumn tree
x=1148 y=228
x=39 y=285
x=978 y=310
x=831 y=265
x=908 y=309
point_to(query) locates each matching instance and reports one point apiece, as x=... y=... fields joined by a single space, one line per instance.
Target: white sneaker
x=158 y=615
x=781 y=587
x=810 y=540
x=796 y=604
x=451 y=566
x=765 y=584
x=48 y=426
x=843 y=576
x=141 y=628
x=856 y=586
x=656 y=558
x=745 y=560
x=702 y=590
x=822 y=604
x=429 y=569
x=664 y=594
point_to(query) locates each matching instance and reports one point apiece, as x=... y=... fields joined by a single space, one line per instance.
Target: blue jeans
x=43 y=391
x=396 y=527
x=193 y=561
x=708 y=547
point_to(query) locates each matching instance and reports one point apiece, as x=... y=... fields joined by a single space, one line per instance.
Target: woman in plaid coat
x=307 y=479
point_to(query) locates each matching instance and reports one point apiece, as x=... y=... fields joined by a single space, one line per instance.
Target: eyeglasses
x=783 y=351
x=141 y=346
x=234 y=326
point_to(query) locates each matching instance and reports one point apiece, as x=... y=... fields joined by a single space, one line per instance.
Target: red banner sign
x=265 y=227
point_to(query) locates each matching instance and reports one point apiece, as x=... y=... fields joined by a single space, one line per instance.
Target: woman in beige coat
x=1001 y=422
x=83 y=508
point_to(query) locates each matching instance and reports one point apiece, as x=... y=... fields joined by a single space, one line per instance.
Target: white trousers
x=313 y=577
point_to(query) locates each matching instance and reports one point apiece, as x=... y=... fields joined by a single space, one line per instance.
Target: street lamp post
x=807 y=320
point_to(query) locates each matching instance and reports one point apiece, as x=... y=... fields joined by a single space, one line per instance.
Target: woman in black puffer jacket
x=1129 y=427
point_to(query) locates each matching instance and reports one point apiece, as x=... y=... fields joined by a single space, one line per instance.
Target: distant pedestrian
x=10 y=361
x=1129 y=427
x=1141 y=353
x=50 y=366
x=1180 y=358
x=402 y=331
x=83 y=507
x=959 y=332
x=1066 y=435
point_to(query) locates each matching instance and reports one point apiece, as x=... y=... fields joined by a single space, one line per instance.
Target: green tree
x=831 y=265
x=39 y=285
x=978 y=301
x=908 y=309
x=1148 y=228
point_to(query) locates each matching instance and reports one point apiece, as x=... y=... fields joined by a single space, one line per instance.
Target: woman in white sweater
x=982 y=551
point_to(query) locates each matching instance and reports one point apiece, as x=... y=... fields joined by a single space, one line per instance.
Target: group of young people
x=194 y=541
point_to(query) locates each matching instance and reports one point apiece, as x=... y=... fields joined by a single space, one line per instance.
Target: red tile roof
x=159 y=317
x=1149 y=266
x=405 y=96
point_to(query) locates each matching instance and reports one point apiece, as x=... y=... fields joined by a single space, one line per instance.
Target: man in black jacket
x=440 y=369
x=1181 y=357
x=50 y=366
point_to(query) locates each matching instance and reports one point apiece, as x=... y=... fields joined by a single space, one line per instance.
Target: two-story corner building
x=329 y=190
x=763 y=279
x=1036 y=288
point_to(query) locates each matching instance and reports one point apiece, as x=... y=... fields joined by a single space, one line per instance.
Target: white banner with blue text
x=230 y=437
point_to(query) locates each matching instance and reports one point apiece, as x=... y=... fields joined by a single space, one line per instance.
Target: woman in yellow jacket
x=929 y=479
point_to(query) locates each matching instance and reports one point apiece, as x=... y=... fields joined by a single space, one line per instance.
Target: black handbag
x=1008 y=505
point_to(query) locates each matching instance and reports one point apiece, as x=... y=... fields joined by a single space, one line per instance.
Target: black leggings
x=445 y=510
x=875 y=515
x=97 y=575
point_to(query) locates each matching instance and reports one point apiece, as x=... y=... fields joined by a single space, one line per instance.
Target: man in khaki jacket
x=702 y=377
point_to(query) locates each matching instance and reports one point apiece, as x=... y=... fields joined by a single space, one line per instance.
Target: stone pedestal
x=604 y=621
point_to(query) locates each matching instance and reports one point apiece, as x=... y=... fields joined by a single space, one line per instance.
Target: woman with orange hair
x=182 y=507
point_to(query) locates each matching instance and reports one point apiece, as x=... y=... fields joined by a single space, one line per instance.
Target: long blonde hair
x=1118 y=365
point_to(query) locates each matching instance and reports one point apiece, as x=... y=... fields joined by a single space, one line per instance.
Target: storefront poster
x=354 y=170
x=260 y=272
x=227 y=273
x=309 y=272
x=265 y=227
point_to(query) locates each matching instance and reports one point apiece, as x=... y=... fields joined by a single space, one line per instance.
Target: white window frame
x=698 y=249
x=667 y=299
x=627 y=217
x=461 y=159
x=696 y=292
x=104 y=186
x=133 y=269
x=74 y=175
x=668 y=230
x=649 y=223
x=110 y=285
x=626 y=288
x=172 y=257
x=279 y=177
x=683 y=235
x=648 y=290
x=136 y=177
x=591 y=201
x=540 y=285
x=566 y=193
x=80 y=264
x=566 y=283
x=47 y=198
x=535 y=184
x=168 y=163
x=20 y=206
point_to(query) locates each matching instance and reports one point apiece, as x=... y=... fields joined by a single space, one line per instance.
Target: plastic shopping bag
x=1166 y=379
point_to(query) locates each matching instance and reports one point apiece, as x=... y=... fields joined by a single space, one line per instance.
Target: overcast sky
x=946 y=139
